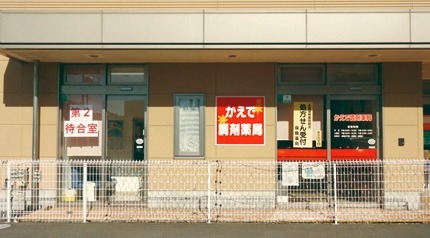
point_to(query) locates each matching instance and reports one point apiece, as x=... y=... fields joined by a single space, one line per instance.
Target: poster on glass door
x=80 y=123
x=303 y=116
x=353 y=124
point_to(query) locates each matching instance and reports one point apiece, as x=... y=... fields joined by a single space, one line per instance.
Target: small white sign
x=313 y=170
x=290 y=174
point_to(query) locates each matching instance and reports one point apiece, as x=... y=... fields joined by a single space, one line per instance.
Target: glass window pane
x=291 y=117
x=301 y=74
x=129 y=74
x=189 y=117
x=83 y=74
x=353 y=73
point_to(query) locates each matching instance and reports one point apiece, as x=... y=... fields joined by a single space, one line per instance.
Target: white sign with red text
x=81 y=112
x=81 y=122
x=81 y=129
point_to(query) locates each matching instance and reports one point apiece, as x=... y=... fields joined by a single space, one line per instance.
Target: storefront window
x=353 y=73
x=300 y=128
x=127 y=74
x=301 y=74
x=189 y=125
x=354 y=135
x=321 y=117
x=84 y=74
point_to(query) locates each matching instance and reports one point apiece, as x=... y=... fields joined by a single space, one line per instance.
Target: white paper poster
x=290 y=174
x=313 y=170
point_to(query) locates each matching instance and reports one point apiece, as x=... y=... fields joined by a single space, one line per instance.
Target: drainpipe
x=35 y=149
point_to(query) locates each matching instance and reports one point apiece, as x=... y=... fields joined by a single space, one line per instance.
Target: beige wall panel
x=210 y=148
x=3 y=66
x=210 y=112
x=160 y=110
x=255 y=27
x=406 y=113
x=401 y=77
x=27 y=78
x=27 y=108
x=412 y=148
x=250 y=152
x=420 y=26
x=48 y=78
x=49 y=115
x=27 y=141
x=182 y=78
x=270 y=110
x=11 y=76
x=10 y=114
x=358 y=27
x=48 y=141
x=167 y=27
x=48 y=108
x=249 y=79
x=160 y=116
x=19 y=27
x=11 y=140
x=402 y=110
x=160 y=139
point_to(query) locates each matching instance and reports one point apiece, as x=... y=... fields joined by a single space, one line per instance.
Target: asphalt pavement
x=222 y=230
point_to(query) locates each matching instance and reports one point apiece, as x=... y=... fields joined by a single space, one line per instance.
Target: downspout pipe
x=35 y=147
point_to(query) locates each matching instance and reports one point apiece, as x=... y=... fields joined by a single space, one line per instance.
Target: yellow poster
x=303 y=124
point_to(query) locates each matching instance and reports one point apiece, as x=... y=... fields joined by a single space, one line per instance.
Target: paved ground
x=222 y=230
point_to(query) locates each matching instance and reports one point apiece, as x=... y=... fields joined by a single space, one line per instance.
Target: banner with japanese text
x=240 y=120
x=81 y=122
x=303 y=113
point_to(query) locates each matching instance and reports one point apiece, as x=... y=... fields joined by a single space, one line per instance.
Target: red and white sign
x=81 y=122
x=81 y=112
x=240 y=120
x=81 y=129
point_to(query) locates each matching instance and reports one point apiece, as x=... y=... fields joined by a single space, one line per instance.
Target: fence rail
x=215 y=191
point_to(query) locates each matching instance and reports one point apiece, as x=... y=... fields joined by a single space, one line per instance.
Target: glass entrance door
x=125 y=120
x=354 y=129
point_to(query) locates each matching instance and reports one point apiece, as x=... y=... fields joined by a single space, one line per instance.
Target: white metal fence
x=215 y=191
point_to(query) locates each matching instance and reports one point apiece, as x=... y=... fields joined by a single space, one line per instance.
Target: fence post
x=84 y=192
x=9 y=192
x=335 y=192
x=209 y=192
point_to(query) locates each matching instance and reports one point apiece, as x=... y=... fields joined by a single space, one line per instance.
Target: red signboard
x=240 y=120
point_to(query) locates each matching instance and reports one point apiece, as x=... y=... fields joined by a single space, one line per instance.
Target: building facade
x=213 y=80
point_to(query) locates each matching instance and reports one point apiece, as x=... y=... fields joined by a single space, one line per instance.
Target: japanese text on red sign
x=240 y=120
